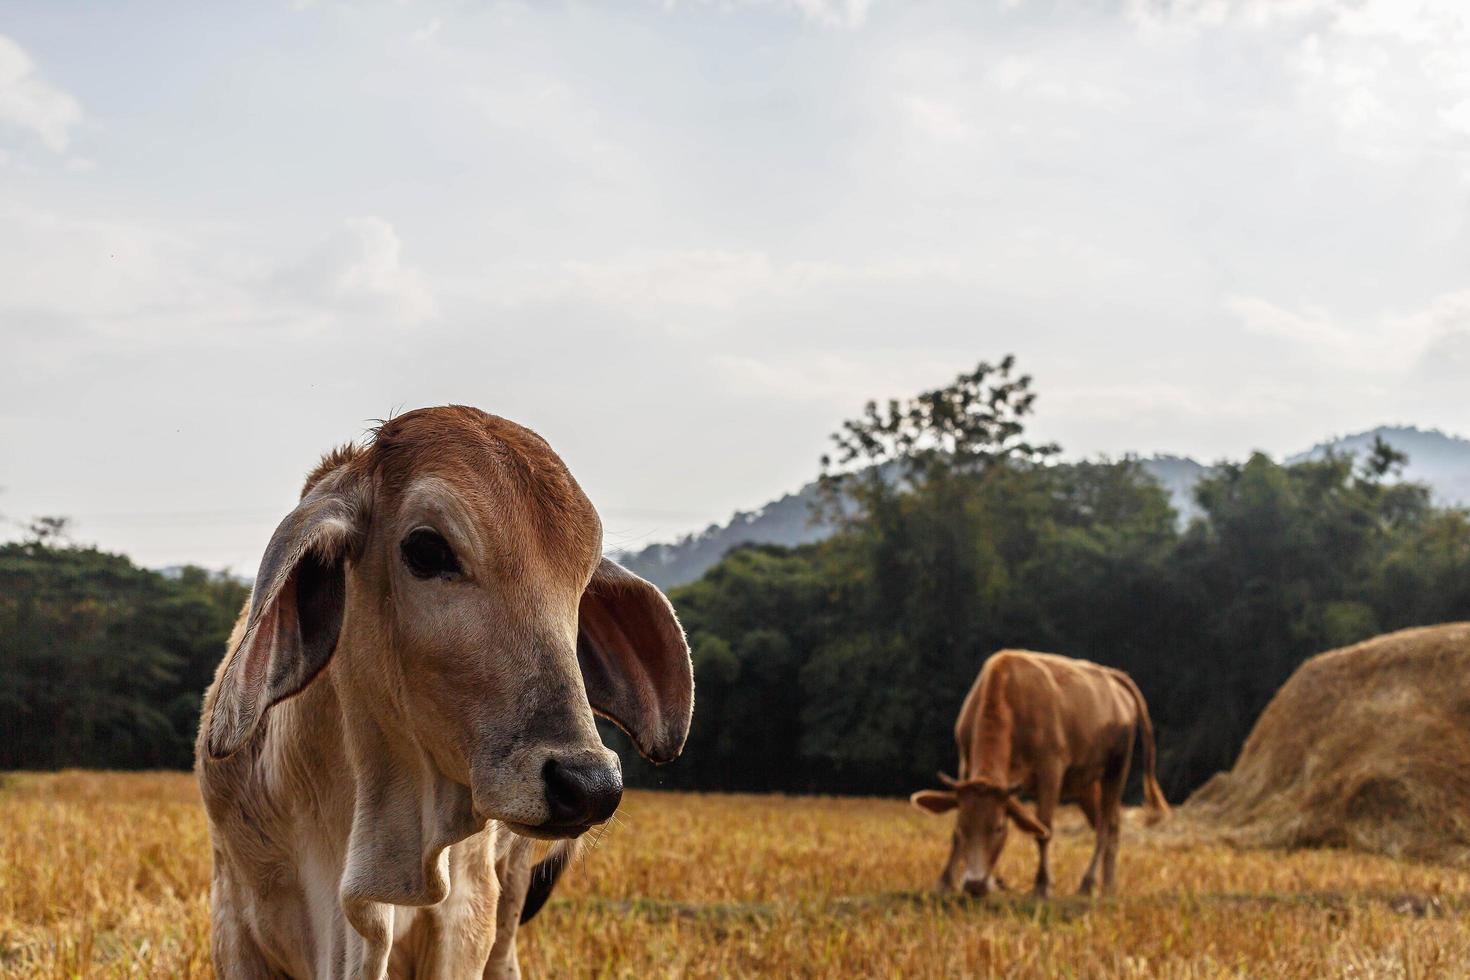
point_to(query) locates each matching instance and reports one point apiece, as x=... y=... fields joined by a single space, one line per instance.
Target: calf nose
x=581 y=793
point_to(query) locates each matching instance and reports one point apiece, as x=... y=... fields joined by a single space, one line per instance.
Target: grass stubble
x=106 y=875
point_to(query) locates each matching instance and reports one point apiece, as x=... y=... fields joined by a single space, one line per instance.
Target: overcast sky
x=684 y=240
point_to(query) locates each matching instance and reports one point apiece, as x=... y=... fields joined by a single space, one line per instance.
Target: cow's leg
x=993 y=861
x=1048 y=793
x=450 y=940
x=1111 y=814
x=235 y=954
x=1091 y=803
x=514 y=870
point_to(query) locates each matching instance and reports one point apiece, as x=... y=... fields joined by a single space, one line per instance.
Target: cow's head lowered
x=986 y=810
x=450 y=576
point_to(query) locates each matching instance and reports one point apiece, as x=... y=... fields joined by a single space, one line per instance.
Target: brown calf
x=410 y=694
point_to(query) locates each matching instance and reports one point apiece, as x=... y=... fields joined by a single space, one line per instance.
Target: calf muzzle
x=580 y=793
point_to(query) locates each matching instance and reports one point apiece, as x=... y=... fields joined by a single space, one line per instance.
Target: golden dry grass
x=105 y=875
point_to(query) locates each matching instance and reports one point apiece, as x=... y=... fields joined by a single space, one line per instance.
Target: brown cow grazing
x=1051 y=727
x=410 y=694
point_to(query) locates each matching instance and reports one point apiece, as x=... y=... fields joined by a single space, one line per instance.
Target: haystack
x=1365 y=747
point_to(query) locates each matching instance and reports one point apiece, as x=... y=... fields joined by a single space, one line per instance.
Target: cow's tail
x=544 y=877
x=1155 y=806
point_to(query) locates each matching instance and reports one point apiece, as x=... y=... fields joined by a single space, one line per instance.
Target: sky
x=684 y=240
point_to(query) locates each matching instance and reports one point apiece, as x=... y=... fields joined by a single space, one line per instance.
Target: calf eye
x=427 y=554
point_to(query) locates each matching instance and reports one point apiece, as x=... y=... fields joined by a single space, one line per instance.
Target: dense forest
x=839 y=665
x=103 y=664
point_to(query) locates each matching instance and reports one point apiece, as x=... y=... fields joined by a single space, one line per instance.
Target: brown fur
x=374 y=741
x=331 y=460
x=1054 y=728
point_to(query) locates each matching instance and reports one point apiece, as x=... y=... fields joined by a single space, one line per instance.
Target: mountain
x=786 y=521
x=1436 y=458
x=177 y=572
x=1178 y=475
x=1440 y=460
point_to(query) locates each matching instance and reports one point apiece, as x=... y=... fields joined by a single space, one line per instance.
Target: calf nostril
x=581 y=793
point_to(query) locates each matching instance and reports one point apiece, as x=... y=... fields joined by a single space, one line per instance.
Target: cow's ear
x=1026 y=820
x=635 y=661
x=935 y=800
x=296 y=609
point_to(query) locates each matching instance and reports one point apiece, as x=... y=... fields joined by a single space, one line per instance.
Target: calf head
x=449 y=577
x=985 y=812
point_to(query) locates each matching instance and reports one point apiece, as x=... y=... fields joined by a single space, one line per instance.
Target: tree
x=103 y=663
x=960 y=428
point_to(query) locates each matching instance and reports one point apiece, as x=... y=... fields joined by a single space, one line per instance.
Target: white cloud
x=1457 y=117
x=540 y=108
x=1391 y=74
x=1438 y=374
x=1310 y=326
x=1390 y=345
x=674 y=285
x=941 y=120
x=840 y=381
x=832 y=14
x=850 y=14
x=29 y=102
x=1156 y=404
x=118 y=282
x=1223 y=421
x=1447 y=315
x=1051 y=83
x=359 y=269
x=1442 y=368
x=979 y=99
x=62 y=266
x=699 y=279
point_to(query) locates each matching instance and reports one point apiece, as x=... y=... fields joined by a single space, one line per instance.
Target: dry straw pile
x=1365 y=747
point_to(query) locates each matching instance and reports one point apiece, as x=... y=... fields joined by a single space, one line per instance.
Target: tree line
x=103 y=664
x=839 y=666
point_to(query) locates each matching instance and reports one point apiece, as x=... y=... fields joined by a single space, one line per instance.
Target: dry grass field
x=105 y=875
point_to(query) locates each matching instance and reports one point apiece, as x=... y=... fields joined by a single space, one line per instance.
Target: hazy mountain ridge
x=1436 y=458
x=1178 y=475
x=786 y=521
x=176 y=572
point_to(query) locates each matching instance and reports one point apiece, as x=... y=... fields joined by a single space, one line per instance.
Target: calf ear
x=635 y=661
x=1026 y=820
x=295 y=614
x=935 y=800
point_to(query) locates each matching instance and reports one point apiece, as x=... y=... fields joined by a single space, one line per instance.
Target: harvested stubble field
x=105 y=875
